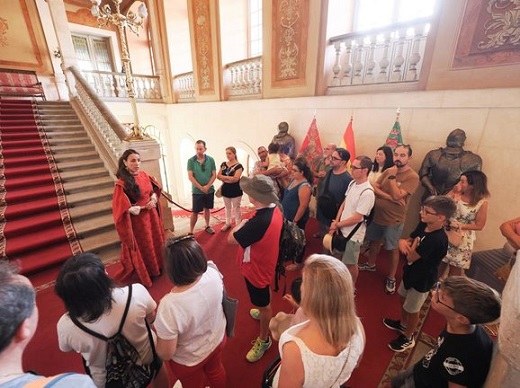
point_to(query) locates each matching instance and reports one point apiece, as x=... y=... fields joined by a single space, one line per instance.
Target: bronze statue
x=286 y=141
x=442 y=167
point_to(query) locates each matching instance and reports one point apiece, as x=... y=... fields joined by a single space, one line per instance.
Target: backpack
x=124 y=366
x=292 y=247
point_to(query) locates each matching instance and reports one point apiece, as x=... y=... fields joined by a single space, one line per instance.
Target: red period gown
x=142 y=236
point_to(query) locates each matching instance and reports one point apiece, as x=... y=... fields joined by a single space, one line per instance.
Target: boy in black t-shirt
x=462 y=355
x=424 y=250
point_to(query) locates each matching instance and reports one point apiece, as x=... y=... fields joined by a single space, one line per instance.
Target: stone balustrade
x=113 y=85
x=244 y=77
x=184 y=85
x=391 y=54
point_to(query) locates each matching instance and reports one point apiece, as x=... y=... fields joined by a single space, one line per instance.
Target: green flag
x=395 y=137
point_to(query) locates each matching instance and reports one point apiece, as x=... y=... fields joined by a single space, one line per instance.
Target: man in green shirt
x=202 y=173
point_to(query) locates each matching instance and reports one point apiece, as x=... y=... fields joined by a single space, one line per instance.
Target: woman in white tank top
x=323 y=351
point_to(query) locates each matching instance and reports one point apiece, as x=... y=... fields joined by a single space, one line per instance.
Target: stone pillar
x=63 y=35
x=150 y=152
x=205 y=49
x=505 y=367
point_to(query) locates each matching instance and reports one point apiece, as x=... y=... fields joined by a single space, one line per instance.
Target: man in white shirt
x=359 y=201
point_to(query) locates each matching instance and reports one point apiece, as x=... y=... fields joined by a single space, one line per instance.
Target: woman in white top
x=190 y=320
x=92 y=299
x=323 y=351
x=383 y=160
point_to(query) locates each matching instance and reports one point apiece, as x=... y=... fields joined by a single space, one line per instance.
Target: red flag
x=311 y=149
x=347 y=141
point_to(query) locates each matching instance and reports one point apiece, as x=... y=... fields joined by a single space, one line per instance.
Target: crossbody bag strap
x=127 y=307
x=327 y=182
x=358 y=225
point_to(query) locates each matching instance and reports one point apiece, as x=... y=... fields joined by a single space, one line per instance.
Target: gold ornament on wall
x=4 y=26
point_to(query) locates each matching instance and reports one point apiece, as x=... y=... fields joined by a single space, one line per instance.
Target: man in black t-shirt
x=463 y=352
x=424 y=250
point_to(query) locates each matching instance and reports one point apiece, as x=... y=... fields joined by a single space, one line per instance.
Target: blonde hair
x=328 y=297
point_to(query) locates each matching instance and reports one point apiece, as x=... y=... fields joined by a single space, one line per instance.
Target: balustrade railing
x=113 y=85
x=104 y=128
x=245 y=77
x=184 y=84
x=391 y=54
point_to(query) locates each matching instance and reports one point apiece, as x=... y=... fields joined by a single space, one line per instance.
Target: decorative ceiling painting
x=489 y=34
x=19 y=35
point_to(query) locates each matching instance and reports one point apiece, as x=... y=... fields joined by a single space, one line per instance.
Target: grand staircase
x=87 y=183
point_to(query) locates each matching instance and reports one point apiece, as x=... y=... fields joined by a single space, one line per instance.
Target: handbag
x=270 y=372
x=230 y=306
x=218 y=193
x=455 y=236
x=339 y=242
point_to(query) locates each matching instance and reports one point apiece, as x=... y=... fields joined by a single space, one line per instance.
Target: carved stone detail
x=504 y=26
x=202 y=19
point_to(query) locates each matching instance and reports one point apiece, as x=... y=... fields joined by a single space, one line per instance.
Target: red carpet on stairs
x=35 y=229
x=372 y=306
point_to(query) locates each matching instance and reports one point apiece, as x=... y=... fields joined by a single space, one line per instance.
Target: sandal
x=209 y=230
x=225 y=228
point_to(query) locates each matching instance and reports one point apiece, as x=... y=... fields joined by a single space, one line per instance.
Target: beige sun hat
x=327 y=242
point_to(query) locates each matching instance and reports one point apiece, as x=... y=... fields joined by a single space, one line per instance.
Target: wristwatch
x=391 y=177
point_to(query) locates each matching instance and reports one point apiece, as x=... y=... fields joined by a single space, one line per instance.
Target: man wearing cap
x=258 y=239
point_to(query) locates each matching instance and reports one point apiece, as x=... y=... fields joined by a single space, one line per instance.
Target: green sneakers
x=258 y=349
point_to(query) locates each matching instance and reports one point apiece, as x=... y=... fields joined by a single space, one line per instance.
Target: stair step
x=76 y=140
x=60 y=149
x=84 y=175
x=25 y=160
x=82 y=198
x=17 y=172
x=91 y=184
x=81 y=155
x=38 y=222
x=90 y=210
x=80 y=165
x=89 y=226
x=66 y=133
x=106 y=242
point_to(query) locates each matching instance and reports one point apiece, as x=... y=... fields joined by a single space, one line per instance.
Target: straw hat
x=327 y=242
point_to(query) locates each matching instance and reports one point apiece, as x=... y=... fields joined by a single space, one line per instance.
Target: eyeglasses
x=334 y=158
x=203 y=167
x=423 y=209
x=437 y=289
x=295 y=170
x=356 y=167
x=171 y=242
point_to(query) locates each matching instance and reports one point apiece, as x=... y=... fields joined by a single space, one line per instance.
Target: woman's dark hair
x=478 y=180
x=185 y=260
x=302 y=165
x=389 y=158
x=131 y=188
x=84 y=287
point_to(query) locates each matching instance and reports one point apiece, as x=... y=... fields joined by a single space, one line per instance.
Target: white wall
x=490 y=118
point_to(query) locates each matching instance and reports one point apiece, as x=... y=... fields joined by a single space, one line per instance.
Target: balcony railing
x=184 y=85
x=244 y=78
x=391 y=54
x=113 y=85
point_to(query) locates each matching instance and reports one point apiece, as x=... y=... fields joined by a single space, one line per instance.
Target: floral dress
x=460 y=256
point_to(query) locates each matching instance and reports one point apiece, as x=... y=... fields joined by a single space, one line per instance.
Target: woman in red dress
x=138 y=219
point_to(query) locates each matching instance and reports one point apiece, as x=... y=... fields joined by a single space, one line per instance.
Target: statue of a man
x=442 y=167
x=286 y=141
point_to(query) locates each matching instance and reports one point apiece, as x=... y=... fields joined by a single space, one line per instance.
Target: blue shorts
x=202 y=201
x=390 y=235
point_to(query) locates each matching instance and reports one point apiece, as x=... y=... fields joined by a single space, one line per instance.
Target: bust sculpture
x=285 y=140
x=442 y=167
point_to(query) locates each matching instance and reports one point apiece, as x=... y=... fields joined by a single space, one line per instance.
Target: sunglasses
x=437 y=289
x=203 y=167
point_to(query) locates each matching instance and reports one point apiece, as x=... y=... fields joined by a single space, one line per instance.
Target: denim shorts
x=389 y=234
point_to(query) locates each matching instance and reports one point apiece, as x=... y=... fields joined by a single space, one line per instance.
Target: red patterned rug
x=35 y=227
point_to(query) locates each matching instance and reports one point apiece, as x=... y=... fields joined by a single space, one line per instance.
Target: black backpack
x=124 y=366
x=292 y=247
